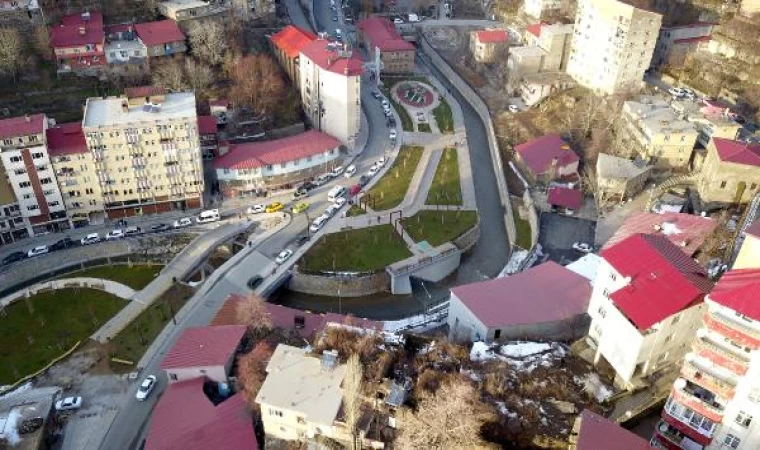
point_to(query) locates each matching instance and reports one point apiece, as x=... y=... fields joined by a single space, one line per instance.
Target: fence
x=535 y=226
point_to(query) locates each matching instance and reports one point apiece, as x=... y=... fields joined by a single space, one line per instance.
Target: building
x=191 y=13
x=331 y=89
x=487 y=45
x=252 y=167
x=253 y=9
x=749 y=252
x=593 y=432
x=378 y=34
x=710 y=119
x=125 y=52
x=147 y=151
x=546 y=302
x=653 y=130
x=161 y=38
x=547 y=49
x=612 y=45
x=535 y=87
x=686 y=231
x=563 y=198
x=287 y=45
x=79 y=43
x=715 y=402
x=749 y=7
x=546 y=159
x=208 y=129
x=619 y=179
x=203 y=352
x=26 y=162
x=646 y=304
x=185 y=418
x=77 y=175
x=730 y=172
x=540 y=8
x=20 y=14
x=23 y=407
x=301 y=395
x=674 y=44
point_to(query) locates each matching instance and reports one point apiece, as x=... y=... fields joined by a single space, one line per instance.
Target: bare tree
x=42 y=42
x=352 y=395
x=209 y=42
x=252 y=312
x=252 y=371
x=200 y=77
x=258 y=84
x=171 y=76
x=11 y=52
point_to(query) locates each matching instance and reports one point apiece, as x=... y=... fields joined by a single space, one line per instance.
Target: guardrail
x=425 y=261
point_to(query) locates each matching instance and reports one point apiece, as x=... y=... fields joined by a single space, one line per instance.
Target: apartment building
x=653 y=130
x=646 y=304
x=253 y=9
x=710 y=119
x=146 y=149
x=20 y=14
x=331 y=88
x=287 y=44
x=79 y=43
x=715 y=403
x=30 y=175
x=378 y=34
x=612 y=45
x=540 y=8
x=749 y=7
x=674 y=44
x=730 y=172
x=486 y=45
x=547 y=50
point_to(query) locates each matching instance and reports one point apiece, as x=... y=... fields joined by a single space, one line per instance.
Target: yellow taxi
x=274 y=207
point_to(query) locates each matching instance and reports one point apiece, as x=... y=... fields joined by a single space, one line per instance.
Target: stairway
x=680 y=180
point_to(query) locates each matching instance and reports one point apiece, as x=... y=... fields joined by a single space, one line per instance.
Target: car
x=159 y=227
x=583 y=247
x=376 y=95
x=392 y=134
x=391 y=122
x=334 y=8
x=115 y=234
x=381 y=162
x=322 y=179
x=386 y=104
x=373 y=171
x=318 y=223
x=350 y=171
x=37 y=251
x=61 y=244
x=255 y=209
x=183 y=222
x=255 y=281
x=68 y=404
x=388 y=113
x=398 y=21
x=332 y=209
x=513 y=108
x=300 y=207
x=131 y=231
x=422 y=118
x=283 y=256
x=338 y=33
x=274 y=207
x=13 y=257
x=676 y=92
x=146 y=387
x=301 y=240
x=307 y=186
x=340 y=201
x=90 y=239
x=335 y=18
x=363 y=180
x=299 y=193
x=337 y=171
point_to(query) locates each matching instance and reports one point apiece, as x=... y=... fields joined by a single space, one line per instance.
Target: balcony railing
x=708 y=408
x=706 y=380
x=729 y=359
x=735 y=324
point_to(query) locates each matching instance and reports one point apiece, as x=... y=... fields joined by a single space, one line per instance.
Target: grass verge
x=390 y=190
x=360 y=250
x=424 y=128
x=35 y=331
x=523 y=231
x=355 y=210
x=443 y=117
x=137 y=277
x=446 y=189
x=439 y=227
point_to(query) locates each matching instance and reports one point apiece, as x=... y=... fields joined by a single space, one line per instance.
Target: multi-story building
x=749 y=7
x=208 y=130
x=547 y=50
x=79 y=43
x=612 y=45
x=730 y=172
x=646 y=304
x=650 y=128
x=287 y=45
x=20 y=14
x=709 y=119
x=674 y=44
x=146 y=149
x=11 y=222
x=162 y=38
x=331 y=88
x=191 y=13
x=378 y=34
x=619 y=179
x=486 y=45
x=125 y=53
x=715 y=403
x=540 y=8
x=25 y=159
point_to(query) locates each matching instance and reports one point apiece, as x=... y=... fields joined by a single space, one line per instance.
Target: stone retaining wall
x=348 y=286
x=469 y=238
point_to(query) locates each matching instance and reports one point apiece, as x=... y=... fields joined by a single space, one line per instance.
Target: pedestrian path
x=112 y=287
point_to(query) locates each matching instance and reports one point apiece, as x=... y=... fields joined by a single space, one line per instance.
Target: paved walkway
x=109 y=286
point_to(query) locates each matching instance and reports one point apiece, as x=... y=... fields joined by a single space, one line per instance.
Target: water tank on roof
x=224 y=389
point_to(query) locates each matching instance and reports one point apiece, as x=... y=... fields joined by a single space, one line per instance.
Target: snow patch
x=523 y=349
x=10 y=432
x=593 y=386
x=481 y=352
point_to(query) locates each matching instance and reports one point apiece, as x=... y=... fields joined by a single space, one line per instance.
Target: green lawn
x=523 y=232
x=355 y=210
x=359 y=250
x=137 y=277
x=33 y=332
x=443 y=117
x=446 y=189
x=406 y=120
x=439 y=227
x=390 y=190
x=424 y=128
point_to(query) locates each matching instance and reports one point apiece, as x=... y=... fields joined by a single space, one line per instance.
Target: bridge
x=432 y=265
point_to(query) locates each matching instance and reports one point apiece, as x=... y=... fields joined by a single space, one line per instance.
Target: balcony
x=702 y=376
x=720 y=355
x=697 y=427
x=734 y=329
x=698 y=399
x=671 y=437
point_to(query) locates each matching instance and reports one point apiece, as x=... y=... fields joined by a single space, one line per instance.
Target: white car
x=373 y=171
x=68 y=404
x=115 y=234
x=317 y=224
x=255 y=209
x=398 y=21
x=332 y=209
x=37 y=251
x=90 y=239
x=381 y=162
x=339 y=202
x=392 y=133
x=583 y=247
x=513 y=108
x=183 y=222
x=676 y=92
x=337 y=171
x=146 y=387
x=350 y=171
x=386 y=104
x=283 y=256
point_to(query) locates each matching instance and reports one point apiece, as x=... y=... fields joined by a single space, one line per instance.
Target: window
x=32 y=207
x=37 y=155
x=669 y=338
x=16 y=159
x=301 y=421
x=46 y=180
x=731 y=441
x=274 y=412
x=601 y=310
x=676 y=319
x=24 y=184
x=722 y=184
x=743 y=419
x=606 y=293
x=613 y=277
x=173 y=376
x=497 y=334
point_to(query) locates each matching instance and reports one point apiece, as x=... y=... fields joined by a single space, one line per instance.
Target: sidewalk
x=109 y=286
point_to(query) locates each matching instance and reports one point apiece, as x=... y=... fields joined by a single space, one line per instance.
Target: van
x=337 y=191
x=211 y=215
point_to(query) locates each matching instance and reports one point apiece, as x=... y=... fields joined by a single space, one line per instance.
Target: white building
x=331 y=89
x=674 y=44
x=539 y=8
x=645 y=307
x=612 y=45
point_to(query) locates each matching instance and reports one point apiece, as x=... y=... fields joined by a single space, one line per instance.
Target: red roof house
x=492 y=36
x=207 y=125
x=737 y=152
x=544 y=302
x=686 y=231
x=250 y=155
x=321 y=53
x=597 y=433
x=22 y=126
x=78 y=41
x=547 y=158
x=292 y=39
x=380 y=32
x=161 y=32
x=535 y=28
x=203 y=351
x=739 y=290
x=565 y=198
x=185 y=419
x=66 y=139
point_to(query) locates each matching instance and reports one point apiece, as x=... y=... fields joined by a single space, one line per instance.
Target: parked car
x=392 y=134
x=115 y=234
x=350 y=171
x=131 y=231
x=183 y=222
x=376 y=95
x=398 y=21
x=513 y=108
x=146 y=387
x=68 y=404
x=583 y=247
x=210 y=215
x=676 y=92
x=322 y=179
x=159 y=227
x=335 y=18
x=307 y=186
x=300 y=207
x=337 y=171
x=283 y=256
x=318 y=223
x=14 y=257
x=255 y=209
x=332 y=209
x=90 y=239
x=274 y=207
x=373 y=171
x=61 y=244
x=363 y=180
x=37 y=251
x=386 y=105
x=381 y=162
x=298 y=193
x=301 y=240
x=340 y=201
x=255 y=281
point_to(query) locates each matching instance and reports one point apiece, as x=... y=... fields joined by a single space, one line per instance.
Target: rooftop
x=326 y=55
x=547 y=78
x=686 y=231
x=258 y=154
x=535 y=29
x=545 y=293
x=160 y=32
x=754 y=229
x=738 y=152
x=19 y=406
x=739 y=290
x=663 y=280
x=598 y=433
x=539 y=154
x=616 y=167
x=104 y=112
x=22 y=126
x=492 y=36
x=587 y=266
x=207 y=125
x=77 y=30
x=382 y=33
x=204 y=346
x=180 y=5
x=565 y=197
x=292 y=39
x=66 y=139
x=655 y=116
x=297 y=382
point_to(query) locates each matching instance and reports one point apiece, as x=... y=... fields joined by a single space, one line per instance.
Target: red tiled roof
x=598 y=433
x=739 y=290
x=693 y=40
x=663 y=279
x=566 y=197
x=320 y=54
x=160 y=32
x=257 y=154
x=492 y=36
x=144 y=91
x=207 y=125
x=204 y=346
x=686 y=231
x=382 y=34
x=292 y=39
x=22 y=126
x=68 y=33
x=754 y=229
x=185 y=419
x=737 y=152
x=539 y=154
x=66 y=139
x=118 y=28
x=535 y=29
x=545 y=293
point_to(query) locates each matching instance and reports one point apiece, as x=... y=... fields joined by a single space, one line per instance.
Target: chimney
x=27 y=118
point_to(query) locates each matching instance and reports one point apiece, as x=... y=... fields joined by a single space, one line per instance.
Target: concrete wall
x=330 y=285
x=468 y=240
x=463 y=325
